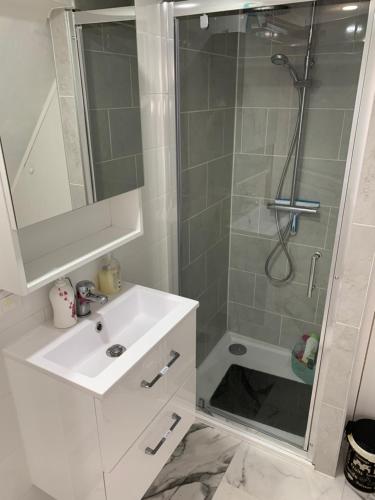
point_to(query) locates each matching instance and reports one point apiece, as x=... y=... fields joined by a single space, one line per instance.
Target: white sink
x=137 y=320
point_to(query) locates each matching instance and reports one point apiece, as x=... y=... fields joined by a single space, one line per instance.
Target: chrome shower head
x=282 y=60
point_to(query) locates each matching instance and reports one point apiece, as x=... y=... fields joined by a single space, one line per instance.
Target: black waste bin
x=360 y=460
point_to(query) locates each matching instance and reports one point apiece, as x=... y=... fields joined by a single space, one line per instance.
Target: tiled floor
x=210 y=464
x=241 y=471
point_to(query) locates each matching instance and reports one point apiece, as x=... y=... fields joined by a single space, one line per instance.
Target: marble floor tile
x=196 y=467
x=265 y=475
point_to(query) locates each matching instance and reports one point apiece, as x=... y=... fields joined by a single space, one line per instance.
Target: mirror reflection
x=70 y=122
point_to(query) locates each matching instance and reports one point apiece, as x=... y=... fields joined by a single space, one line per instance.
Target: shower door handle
x=311 y=284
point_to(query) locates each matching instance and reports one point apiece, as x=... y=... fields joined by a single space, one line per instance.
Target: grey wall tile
x=215 y=328
x=223 y=290
x=115 y=177
x=253 y=323
x=120 y=37
x=100 y=139
x=255 y=175
x=321 y=180
x=267 y=220
x=328 y=74
x=334 y=36
x=238 y=131
x=193 y=37
x=280 y=126
x=105 y=91
x=262 y=84
x=184 y=244
x=254 y=125
x=228 y=116
x=322 y=297
x=290 y=300
x=323 y=133
x=219 y=179
x=193 y=191
x=208 y=304
x=134 y=81
x=291 y=41
x=312 y=228
x=293 y=329
x=205 y=230
x=140 y=170
x=206 y=136
x=250 y=43
x=232 y=44
x=225 y=216
x=217 y=260
x=248 y=253
x=331 y=230
x=193 y=80
x=245 y=215
x=93 y=36
x=222 y=82
x=346 y=130
x=184 y=139
x=241 y=287
x=125 y=128
x=194 y=278
x=301 y=256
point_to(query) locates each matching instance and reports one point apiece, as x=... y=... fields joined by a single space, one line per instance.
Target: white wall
x=149 y=260
x=366 y=399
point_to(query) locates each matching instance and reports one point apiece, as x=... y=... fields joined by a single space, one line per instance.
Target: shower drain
x=115 y=350
x=237 y=349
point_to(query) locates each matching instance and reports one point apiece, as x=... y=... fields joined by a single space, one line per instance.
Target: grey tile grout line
x=327 y=229
x=261 y=237
x=266 y=132
x=206 y=52
x=341 y=135
x=275 y=313
x=110 y=134
x=131 y=84
x=315 y=158
x=204 y=252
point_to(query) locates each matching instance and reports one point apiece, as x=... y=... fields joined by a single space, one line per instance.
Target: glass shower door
x=265 y=105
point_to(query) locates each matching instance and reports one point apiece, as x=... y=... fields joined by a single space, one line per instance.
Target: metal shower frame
x=360 y=123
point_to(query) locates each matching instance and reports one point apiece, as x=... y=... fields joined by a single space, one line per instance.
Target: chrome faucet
x=85 y=295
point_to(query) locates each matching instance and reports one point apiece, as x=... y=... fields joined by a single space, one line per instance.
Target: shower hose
x=283 y=233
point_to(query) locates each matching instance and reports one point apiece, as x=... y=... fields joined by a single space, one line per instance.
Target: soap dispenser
x=109 y=276
x=62 y=299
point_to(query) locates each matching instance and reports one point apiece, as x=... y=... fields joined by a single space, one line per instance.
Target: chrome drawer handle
x=311 y=284
x=147 y=385
x=153 y=451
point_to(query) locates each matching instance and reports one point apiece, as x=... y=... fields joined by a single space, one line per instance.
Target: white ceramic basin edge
x=138 y=318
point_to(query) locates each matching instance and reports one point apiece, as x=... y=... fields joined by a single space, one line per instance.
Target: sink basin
x=135 y=320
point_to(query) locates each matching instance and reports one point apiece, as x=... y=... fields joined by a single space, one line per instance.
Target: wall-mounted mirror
x=70 y=120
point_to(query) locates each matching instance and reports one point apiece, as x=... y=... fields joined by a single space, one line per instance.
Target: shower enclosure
x=265 y=101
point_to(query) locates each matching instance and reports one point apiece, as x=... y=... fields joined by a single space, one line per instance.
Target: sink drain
x=237 y=349
x=115 y=350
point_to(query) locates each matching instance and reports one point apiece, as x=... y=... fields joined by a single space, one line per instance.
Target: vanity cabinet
x=81 y=446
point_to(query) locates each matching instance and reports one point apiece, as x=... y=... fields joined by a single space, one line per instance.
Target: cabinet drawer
x=136 y=471
x=135 y=400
